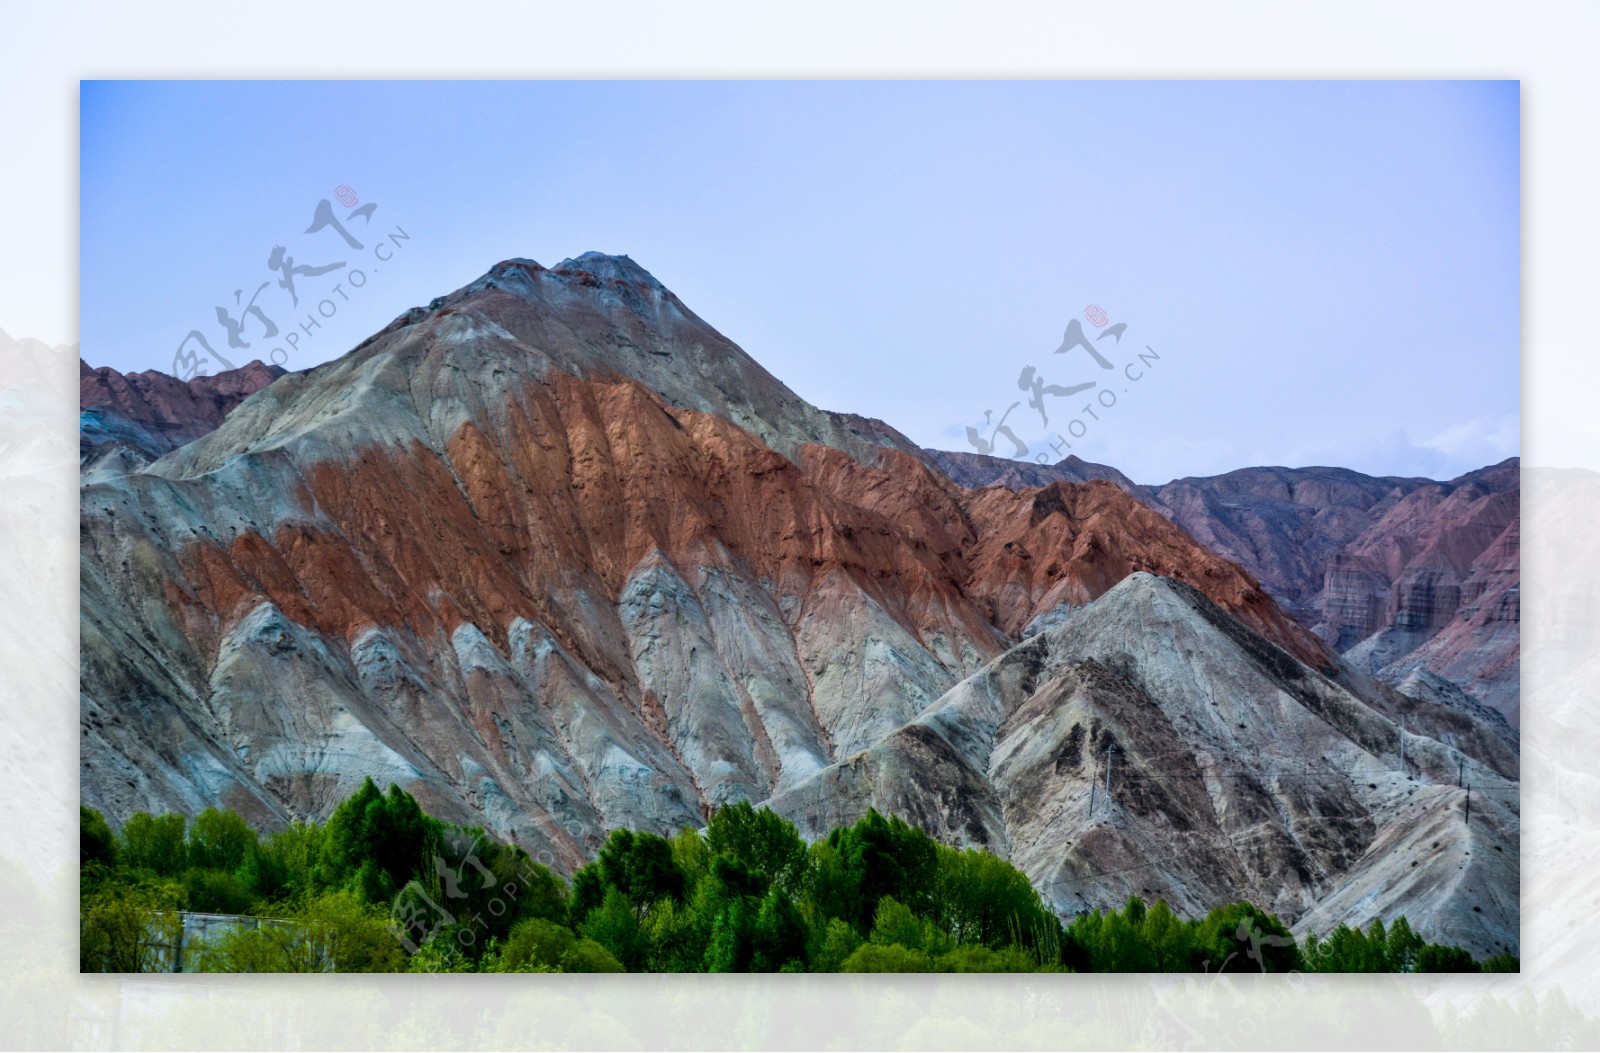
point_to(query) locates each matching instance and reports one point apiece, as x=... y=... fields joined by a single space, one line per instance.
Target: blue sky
x=1329 y=271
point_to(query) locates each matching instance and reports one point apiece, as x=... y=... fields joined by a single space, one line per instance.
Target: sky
x=1308 y=273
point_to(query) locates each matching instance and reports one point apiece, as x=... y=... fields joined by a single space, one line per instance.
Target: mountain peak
x=605 y=266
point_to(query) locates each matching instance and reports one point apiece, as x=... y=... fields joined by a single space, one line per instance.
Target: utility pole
x=1109 y=749
x=1461 y=767
x=1469 y=806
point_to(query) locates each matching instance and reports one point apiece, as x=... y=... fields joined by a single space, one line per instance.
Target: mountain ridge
x=1400 y=574
x=558 y=558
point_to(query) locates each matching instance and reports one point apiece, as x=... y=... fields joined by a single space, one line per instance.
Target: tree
x=1115 y=946
x=586 y=893
x=885 y=857
x=1242 y=938
x=333 y=933
x=677 y=936
x=283 y=864
x=1167 y=938
x=1434 y=958
x=153 y=843
x=980 y=959
x=217 y=892
x=728 y=949
x=587 y=956
x=836 y=943
x=219 y=840
x=641 y=867
x=377 y=842
x=615 y=926
x=767 y=845
x=1403 y=946
x=779 y=936
x=535 y=945
x=980 y=898
x=893 y=958
x=96 y=843
x=130 y=928
x=895 y=924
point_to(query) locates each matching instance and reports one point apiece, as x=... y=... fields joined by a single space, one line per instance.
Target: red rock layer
x=581 y=480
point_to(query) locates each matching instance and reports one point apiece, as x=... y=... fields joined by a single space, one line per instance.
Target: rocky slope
x=1399 y=575
x=557 y=557
x=1235 y=772
x=481 y=555
x=128 y=420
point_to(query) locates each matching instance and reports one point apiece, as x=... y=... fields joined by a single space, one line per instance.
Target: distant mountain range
x=558 y=557
x=1414 y=580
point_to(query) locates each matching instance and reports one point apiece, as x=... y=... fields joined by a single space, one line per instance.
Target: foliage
x=333 y=933
x=375 y=843
x=538 y=945
x=96 y=843
x=154 y=844
x=1395 y=948
x=382 y=886
x=129 y=927
x=219 y=840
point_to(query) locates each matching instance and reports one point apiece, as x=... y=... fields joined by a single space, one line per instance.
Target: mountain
x=131 y=419
x=1235 y=772
x=557 y=557
x=1397 y=574
x=978 y=470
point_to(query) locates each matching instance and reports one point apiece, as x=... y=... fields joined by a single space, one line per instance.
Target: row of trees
x=382 y=886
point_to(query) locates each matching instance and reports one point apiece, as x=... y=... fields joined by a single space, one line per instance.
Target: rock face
x=131 y=419
x=977 y=471
x=557 y=557
x=1398 y=575
x=1235 y=771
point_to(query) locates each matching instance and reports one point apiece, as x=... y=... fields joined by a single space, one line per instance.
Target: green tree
x=767 y=846
x=587 y=956
x=778 y=938
x=893 y=958
x=1434 y=958
x=835 y=942
x=885 y=857
x=677 y=936
x=980 y=898
x=615 y=925
x=96 y=843
x=894 y=923
x=1243 y=938
x=641 y=867
x=1115 y=946
x=217 y=892
x=1167 y=938
x=535 y=945
x=1403 y=946
x=219 y=840
x=980 y=959
x=333 y=933
x=154 y=844
x=538 y=945
x=130 y=928
x=282 y=865
x=376 y=842
x=728 y=949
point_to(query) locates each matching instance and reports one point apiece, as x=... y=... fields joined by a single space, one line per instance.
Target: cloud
x=1487 y=439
